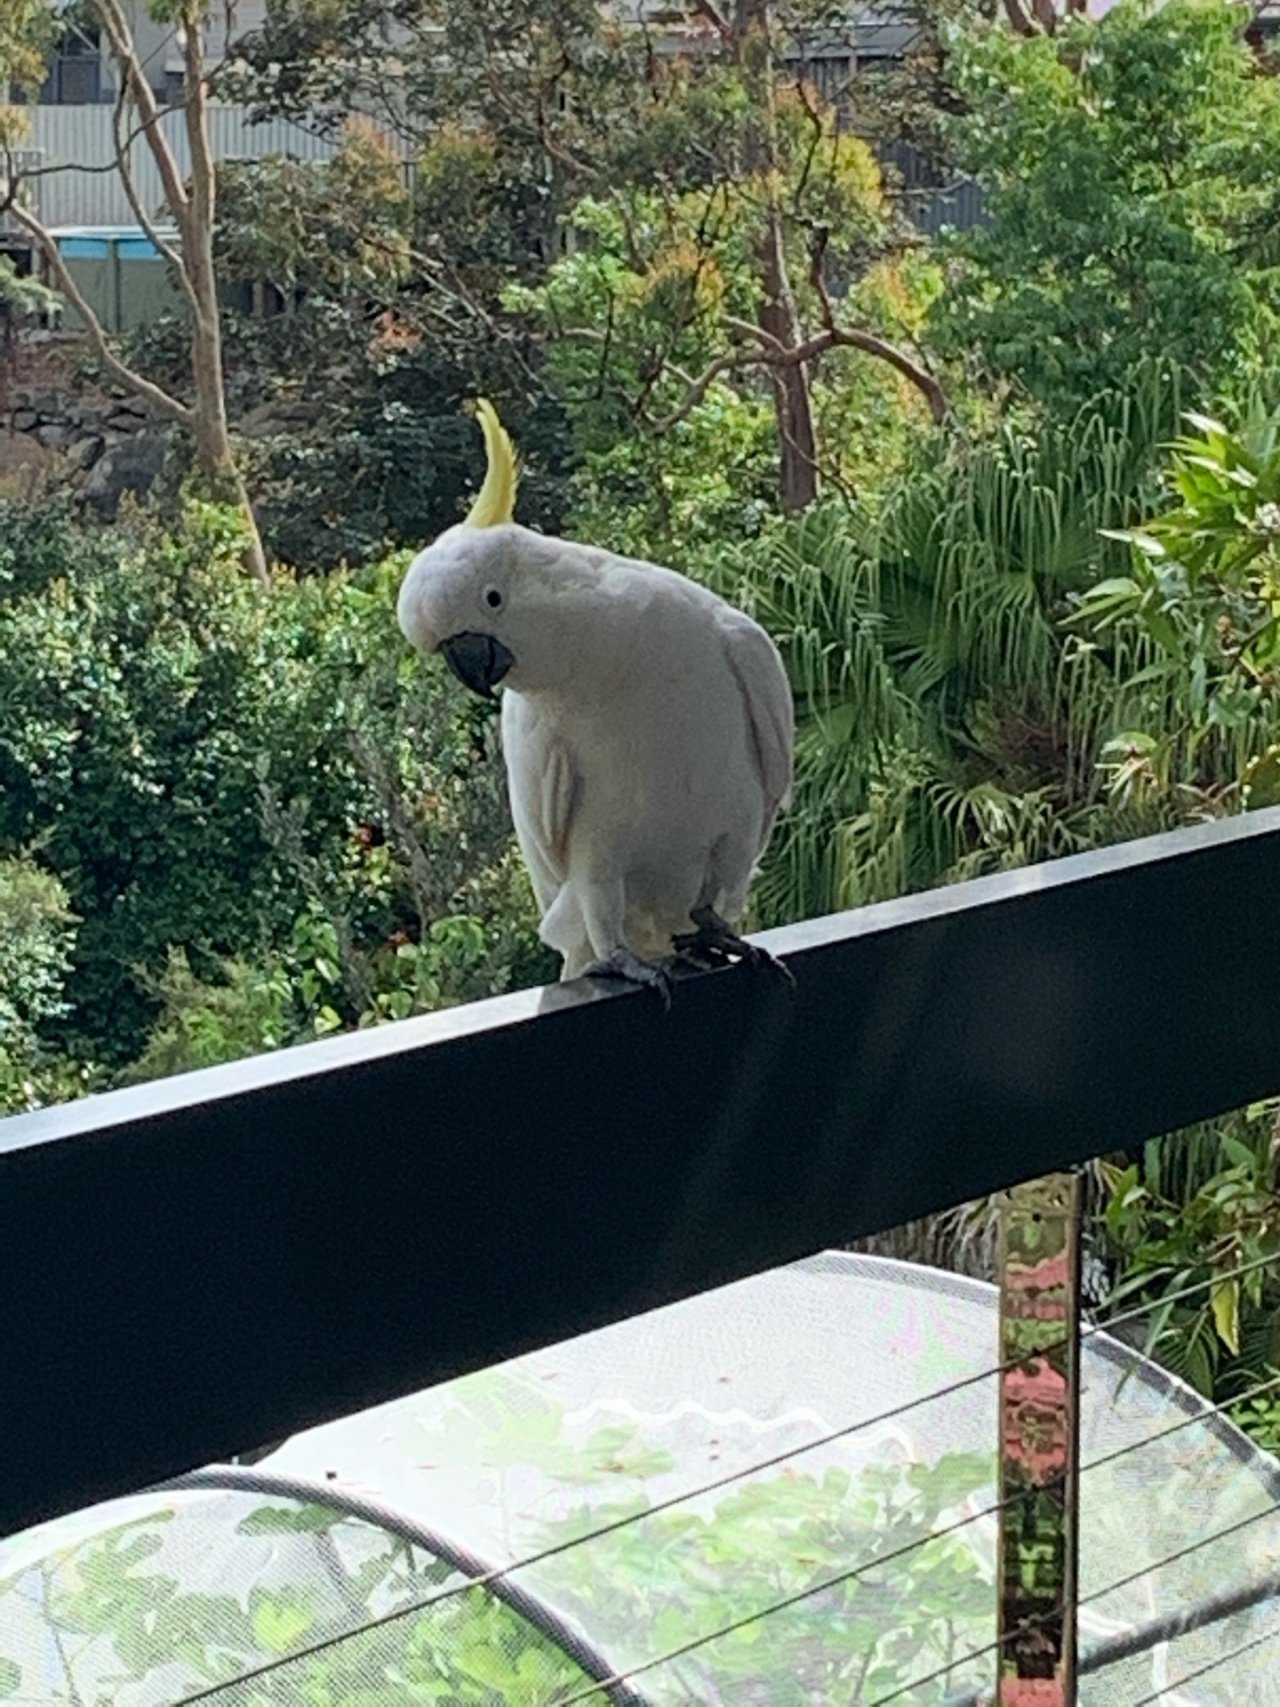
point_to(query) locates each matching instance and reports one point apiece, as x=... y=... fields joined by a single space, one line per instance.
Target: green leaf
x=1238 y=1152
x=1205 y=424
x=1226 y=1314
x=288 y=1520
x=10 y=1678
x=278 y=1624
x=1262 y=780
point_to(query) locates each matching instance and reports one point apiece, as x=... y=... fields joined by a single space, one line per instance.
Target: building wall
x=80 y=140
x=82 y=75
x=161 y=51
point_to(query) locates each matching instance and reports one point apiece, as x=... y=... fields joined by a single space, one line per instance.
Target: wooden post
x=1039 y=1442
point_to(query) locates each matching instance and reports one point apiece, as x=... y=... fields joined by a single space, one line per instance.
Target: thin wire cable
x=1192 y=1417
x=659 y=1506
x=918 y=1682
x=618 y=1678
x=1158 y=1632
x=615 y=1679
x=1211 y=1665
x=1134 y=1642
x=1038 y=1619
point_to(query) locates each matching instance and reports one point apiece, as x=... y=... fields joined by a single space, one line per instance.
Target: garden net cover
x=640 y=1516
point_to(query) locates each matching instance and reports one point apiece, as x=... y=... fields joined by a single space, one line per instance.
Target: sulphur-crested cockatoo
x=646 y=725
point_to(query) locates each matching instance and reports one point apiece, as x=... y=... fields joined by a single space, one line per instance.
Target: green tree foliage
x=28 y=29
x=1127 y=165
x=203 y=770
x=544 y=114
x=377 y=338
x=39 y=934
x=950 y=723
x=22 y=298
x=1203 y=594
x=338 y=227
x=653 y=321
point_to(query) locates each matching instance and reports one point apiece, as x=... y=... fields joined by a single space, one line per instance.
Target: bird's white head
x=501 y=603
x=456 y=597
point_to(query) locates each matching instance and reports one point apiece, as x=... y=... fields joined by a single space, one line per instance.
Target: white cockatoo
x=647 y=728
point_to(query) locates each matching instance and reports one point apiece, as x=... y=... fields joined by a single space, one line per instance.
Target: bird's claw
x=714 y=943
x=624 y=967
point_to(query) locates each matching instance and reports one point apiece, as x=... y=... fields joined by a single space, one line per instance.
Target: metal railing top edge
x=235 y=1079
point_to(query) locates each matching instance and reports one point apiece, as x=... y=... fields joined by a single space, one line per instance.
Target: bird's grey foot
x=627 y=968
x=715 y=943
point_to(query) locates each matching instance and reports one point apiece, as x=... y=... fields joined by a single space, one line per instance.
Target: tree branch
x=196 y=112
x=171 y=255
x=868 y=342
x=132 y=74
x=100 y=167
x=708 y=10
x=774 y=355
x=884 y=351
x=749 y=329
x=159 y=400
x=1018 y=18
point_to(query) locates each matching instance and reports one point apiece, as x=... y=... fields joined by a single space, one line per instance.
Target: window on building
x=75 y=69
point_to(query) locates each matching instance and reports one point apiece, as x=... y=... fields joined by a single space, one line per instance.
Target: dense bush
x=39 y=931
x=202 y=769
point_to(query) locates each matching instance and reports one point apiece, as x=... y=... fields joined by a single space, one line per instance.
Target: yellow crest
x=496 y=501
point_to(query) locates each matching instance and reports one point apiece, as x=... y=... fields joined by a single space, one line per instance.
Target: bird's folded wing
x=758 y=670
x=544 y=788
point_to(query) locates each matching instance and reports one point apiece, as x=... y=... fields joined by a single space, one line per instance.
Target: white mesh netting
x=268 y=1593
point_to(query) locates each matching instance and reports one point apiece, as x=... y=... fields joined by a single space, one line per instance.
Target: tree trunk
x=793 y=401
x=215 y=457
x=214 y=454
x=778 y=316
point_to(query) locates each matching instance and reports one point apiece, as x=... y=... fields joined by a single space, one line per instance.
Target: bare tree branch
x=148 y=108
x=774 y=355
x=715 y=17
x=732 y=362
x=749 y=329
x=171 y=255
x=98 y=168
x=1017 y=16
x=883 y=351
x=159 y=400
x=868 y=342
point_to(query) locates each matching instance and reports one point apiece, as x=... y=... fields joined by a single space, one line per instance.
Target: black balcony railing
x=222 y=1258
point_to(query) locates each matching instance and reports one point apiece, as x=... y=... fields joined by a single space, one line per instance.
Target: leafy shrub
x=1202 y=594
x=40 y=542
x=1194 y=1209
x=39 y=931
x=201 y=767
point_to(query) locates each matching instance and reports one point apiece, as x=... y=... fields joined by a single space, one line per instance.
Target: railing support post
x=1039 y=1441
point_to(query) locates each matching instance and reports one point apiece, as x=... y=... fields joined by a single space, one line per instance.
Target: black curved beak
x=478 y=660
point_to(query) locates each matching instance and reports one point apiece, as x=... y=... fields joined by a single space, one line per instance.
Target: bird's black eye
x=493 y=598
